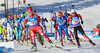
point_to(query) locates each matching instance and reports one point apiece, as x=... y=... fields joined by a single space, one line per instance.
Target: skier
x=39 y=37
x=61 y=21
x=55 y=25
x=66 y=14
x=22 y=29
x=9 y=29
x=35 y=27
x=17 y=28
x=42 y=25
x=4 y=31
x=75 y=22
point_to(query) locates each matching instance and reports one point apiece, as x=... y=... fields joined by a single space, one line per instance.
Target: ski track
x=86 y=47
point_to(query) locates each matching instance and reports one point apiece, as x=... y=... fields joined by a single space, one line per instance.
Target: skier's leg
x=5 y=32
x=75 y=32
x=41 y=33
x=19 y=33
x=55 y=34
x=26 y=34
x=8 y=34
x=23 y=35
x=1 y=36
x=11 y=33
x=16 y=33
x=40 y=38
x=83 y=33
x=60 y=31
x=33 y=39
x=66 y=32
x=63 y=34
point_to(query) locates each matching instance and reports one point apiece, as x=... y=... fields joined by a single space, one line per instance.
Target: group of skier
x=29 y=24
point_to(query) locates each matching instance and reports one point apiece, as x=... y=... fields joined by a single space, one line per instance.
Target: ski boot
x=52 y=44
x=72 y=42
x=61 y=42
x=44 y=46
x=11 y=40
x=21 y=42
x=2 y=40
x=79 y=46
x=7 y=40
x=64 y=41
x=93 y=43
x=18 y=42
x=34 y=48
x=80 y=39
x=56 y=41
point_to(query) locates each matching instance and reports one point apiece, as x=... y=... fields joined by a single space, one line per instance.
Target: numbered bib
x=61 y=22
x=75 y=22
x=33 y=23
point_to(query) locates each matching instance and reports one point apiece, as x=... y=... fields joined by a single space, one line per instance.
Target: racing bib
x=33 y=23
x=75 y=22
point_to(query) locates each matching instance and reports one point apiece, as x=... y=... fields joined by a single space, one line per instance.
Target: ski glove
x=46 y=19
x=54 y=26
x=81 y=22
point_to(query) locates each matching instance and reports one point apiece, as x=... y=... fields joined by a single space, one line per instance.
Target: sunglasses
x=29 y=11
x=72 y=13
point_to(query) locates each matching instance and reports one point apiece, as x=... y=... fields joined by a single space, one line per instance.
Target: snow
x=86 y=47
x=89 y=9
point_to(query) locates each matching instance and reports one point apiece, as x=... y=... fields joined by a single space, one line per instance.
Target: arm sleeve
x=80 y=16
x=69 y=19
x=51 y=19
x=25 y=20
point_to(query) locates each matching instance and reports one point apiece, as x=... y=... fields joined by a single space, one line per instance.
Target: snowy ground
x=86 y=48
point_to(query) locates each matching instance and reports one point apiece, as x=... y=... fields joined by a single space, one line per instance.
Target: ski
x=33 y=51
x=71 y=44
x=57 y=47
x=84 y=41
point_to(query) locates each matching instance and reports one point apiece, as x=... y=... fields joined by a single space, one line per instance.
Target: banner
x=87 y=32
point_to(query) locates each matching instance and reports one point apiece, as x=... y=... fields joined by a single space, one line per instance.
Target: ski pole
x=65 y=6
x=60 y=9
x=82 y=25
x=51 y=21
x=72 y=6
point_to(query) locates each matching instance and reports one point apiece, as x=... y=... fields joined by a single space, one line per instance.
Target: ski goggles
x=29 y=11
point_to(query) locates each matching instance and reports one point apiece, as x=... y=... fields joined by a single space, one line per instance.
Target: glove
x=67 y=25
x=97 y=26
x=46 y=19
x=54 y=26
x=81 y=22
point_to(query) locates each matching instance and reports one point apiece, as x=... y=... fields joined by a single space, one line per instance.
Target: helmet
x=30 y=9
x=65 y=11
x=15 y=15
x=73 y=11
